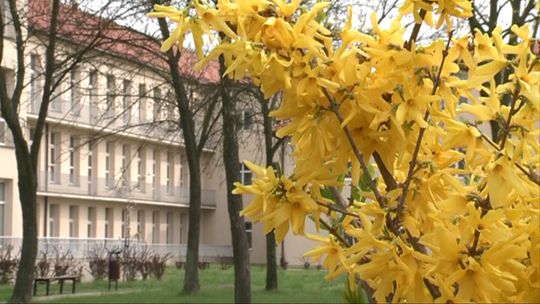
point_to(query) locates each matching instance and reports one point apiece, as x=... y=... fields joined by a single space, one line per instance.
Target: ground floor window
x=73 y=221
x=91 y=219
x=249 y=232
x=107 y=222
x=170 y=219
x=124 y=222
x=2 y=206
x=53 y=220
x=155 y=227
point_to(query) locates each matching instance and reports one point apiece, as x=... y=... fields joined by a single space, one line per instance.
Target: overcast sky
x=362 y=10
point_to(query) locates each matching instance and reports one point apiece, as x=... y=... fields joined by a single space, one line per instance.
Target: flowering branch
x=414 y=160
x=356 y=150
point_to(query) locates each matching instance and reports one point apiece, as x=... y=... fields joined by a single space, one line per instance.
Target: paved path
x=82 y=294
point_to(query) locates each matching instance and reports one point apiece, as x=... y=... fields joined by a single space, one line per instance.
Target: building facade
x=112 y=166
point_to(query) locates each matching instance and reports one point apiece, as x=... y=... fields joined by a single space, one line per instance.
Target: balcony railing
x=6 y=138
x=118 y=189
x=109 y=119
x=80 y=247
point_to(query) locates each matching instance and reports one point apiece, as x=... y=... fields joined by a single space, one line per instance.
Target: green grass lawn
x=295 y=286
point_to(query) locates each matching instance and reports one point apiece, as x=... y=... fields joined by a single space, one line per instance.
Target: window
x=246 y=119
x=168 y=228
x=73 y=221
x=109 y=164
x=246 y=175
x=2 y=206
x=74 y=91
x=181 y=228
x=125 y=165
x=53 y=155
x=157 y=104
x=92 y=87
x=90 y=166
x=124 y=223
x=53 y=215
x=9 y=28
x=170 y=173
x=142 y=102
x=34 y=83
x=55 y=104
x=73 y=161
x=140 y=225
x=170 y=106
x=91 y=222
x=31 y=133
x=183 y=172
x=126 y=100
x=107 y=222
x=155 y=227
x=154 y=171
x=249 y=232
x=140 y=169
x=111 y=95
x=3 y=130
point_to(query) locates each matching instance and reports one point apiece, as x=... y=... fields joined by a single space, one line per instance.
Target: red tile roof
x=108 y=36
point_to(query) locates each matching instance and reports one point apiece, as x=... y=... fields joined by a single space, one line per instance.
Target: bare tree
x=40 y=24
x=271 y=146
x=27 y=155
x=194 y=147
x=231 y=160
x=487 y=15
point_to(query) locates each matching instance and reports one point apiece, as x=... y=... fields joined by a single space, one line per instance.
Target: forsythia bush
x=440 y=209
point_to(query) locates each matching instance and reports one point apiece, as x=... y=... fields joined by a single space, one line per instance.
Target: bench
x=60 y=279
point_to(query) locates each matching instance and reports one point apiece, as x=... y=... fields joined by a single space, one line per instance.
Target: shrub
x=65 y=263
x=43 y=265
x=98 y=262
x=143 y=262
x=8 y=264
x=129 y=263
x=159 y=263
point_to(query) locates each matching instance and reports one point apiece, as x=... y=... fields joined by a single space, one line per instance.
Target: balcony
x=99 y=187
x=112 y=120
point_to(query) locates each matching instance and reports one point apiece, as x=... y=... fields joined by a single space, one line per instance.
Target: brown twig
x=387 y=176
x=486 y=206
x=334 y=232
x=414 y=159
x=489 y=141
x=333 y=208
x=415 y=31
x=356 y=150
x=510 y=115
x=532 y=177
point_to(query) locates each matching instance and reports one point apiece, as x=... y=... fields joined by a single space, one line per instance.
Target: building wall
x=86 y=119
x=73 y=205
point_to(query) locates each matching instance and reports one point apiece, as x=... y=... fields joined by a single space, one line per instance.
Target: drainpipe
x=46 y=198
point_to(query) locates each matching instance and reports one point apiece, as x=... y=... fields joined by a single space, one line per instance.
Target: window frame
x=244 y=173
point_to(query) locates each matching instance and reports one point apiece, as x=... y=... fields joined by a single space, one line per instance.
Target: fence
x=79 y=247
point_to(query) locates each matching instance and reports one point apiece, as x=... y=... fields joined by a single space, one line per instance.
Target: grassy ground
x=295 y=286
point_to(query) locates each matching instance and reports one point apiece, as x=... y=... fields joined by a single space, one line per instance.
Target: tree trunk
x=271 y=263
x=22 y=292
x=242 y=285
x=191 y=275
x=187 y=123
